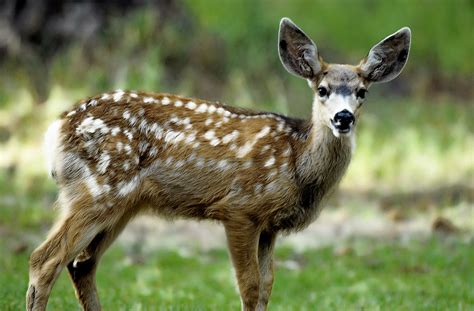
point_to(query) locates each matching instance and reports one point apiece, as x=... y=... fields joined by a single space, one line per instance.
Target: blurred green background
x=414 y=162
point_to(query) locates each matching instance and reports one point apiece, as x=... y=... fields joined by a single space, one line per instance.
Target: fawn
x=259 y=173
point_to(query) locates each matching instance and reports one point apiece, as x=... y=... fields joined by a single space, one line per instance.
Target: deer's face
x=340 y=89
x=339 y=94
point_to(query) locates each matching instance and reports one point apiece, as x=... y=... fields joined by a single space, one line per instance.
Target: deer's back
x=184 y=156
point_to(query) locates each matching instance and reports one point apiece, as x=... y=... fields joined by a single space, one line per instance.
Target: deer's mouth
x=339 y=128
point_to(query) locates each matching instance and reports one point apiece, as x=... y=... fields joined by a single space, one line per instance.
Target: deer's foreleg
x=242 y=239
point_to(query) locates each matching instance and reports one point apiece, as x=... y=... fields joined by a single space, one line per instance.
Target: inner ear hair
x=386 y=59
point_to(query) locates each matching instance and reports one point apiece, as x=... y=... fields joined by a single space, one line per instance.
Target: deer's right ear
x=298 y=53
x=386 y=59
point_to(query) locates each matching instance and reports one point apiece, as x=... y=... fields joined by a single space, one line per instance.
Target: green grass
x=424 y=275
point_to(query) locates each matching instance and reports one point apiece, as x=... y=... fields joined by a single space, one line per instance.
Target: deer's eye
x=322 y=91
x=361 y=93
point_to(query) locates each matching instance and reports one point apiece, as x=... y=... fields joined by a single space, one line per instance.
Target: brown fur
x=119 y=154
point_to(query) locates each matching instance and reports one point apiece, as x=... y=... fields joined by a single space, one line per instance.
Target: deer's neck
x=323 y=160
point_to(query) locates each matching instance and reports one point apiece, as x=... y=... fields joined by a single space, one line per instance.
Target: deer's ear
x=298 y=53
x=386 y=59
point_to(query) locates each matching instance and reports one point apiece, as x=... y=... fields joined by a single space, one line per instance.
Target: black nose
x=343 y=120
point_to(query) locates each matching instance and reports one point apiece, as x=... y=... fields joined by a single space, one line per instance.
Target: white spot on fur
x=270 y=162
x=142 y=146
x=134 y=95
x=128 y=134
x=106 y=188
x=174 y=120
x=71 y=113
x=178 y=103
x=128 y=149
x=280 y=126
x=126 y=165
x=191 y=157
x=190 y=138
x=153 y=152
x=179 y=137
x=126 y=114
x=104 y=161
x=115 y=131
x=272 y=174
x=105 y=96
x=211 y=109
x=118 y=95
x=148 y=100
x=287 y=152
x=248 y=146
x=127 y=187
x=165 y=101
x=191 y=105
x=208 y=122
x=186 y=121
x=179 y=163
x=245 y=149
x=91 y=183
x=157 y=130
x=143 y=126
x=200 y=162
x=209 y=135
x=202 y=108
x=223 y=165
x=215 y=142
x=119 y=146
x=133 y=120
x=90 y=125
x=230 y=137
x=172 y=137
x=271 y=187
x=263 y=132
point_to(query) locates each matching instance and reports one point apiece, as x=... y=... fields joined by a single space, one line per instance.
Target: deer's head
x=340 y=90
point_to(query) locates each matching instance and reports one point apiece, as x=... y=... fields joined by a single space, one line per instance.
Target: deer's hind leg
x=78 y=227
x=266 y=245
x=82 y=269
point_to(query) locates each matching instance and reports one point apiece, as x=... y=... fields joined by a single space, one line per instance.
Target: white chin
x=338 y=134
x=335 y=132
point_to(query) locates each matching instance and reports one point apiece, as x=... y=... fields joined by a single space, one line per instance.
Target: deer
x=260 y=174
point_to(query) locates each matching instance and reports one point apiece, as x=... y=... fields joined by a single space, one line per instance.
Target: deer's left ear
x=298 y=53
x=386 y=59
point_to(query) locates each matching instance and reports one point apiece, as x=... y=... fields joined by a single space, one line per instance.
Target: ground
x=346 y=260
